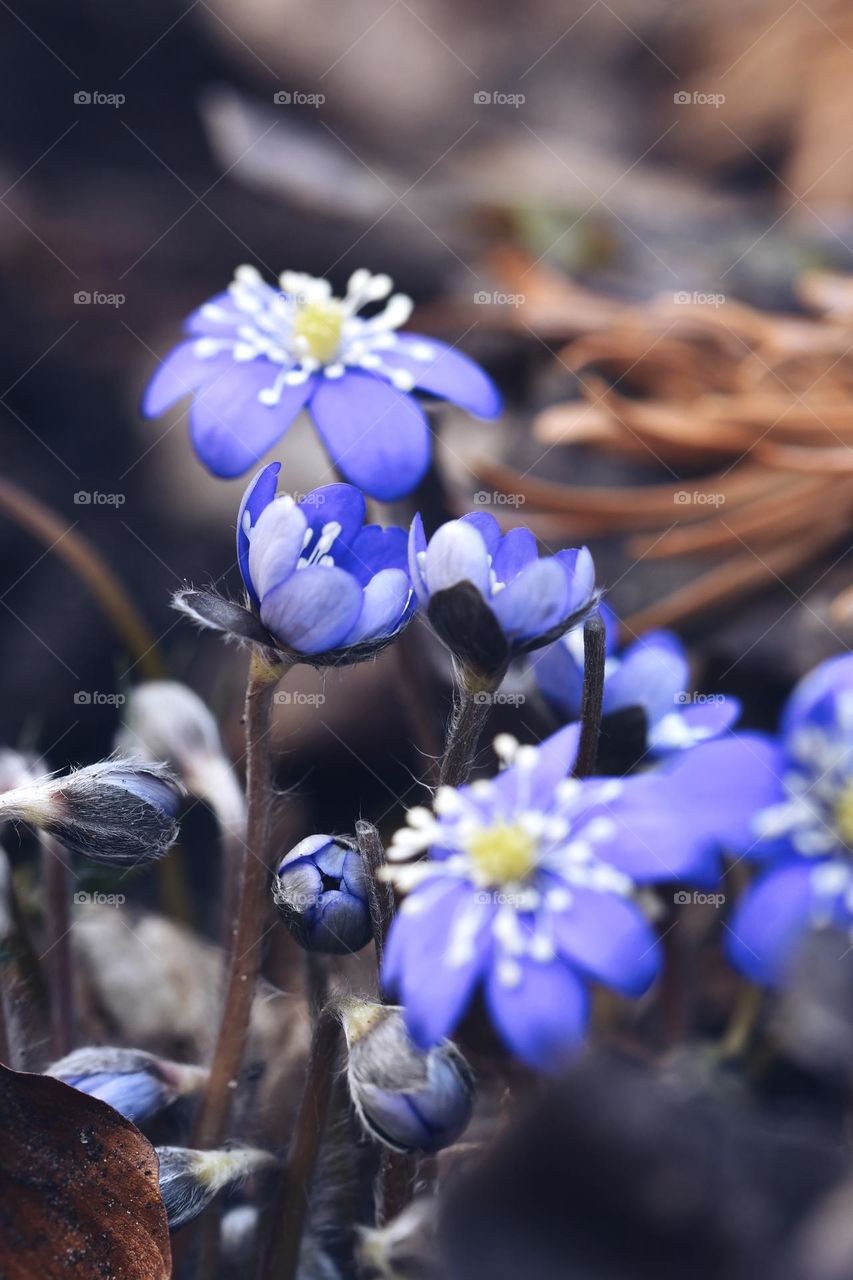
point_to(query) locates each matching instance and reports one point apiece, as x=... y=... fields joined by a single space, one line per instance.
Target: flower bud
x=115 y=812
x=321 y=891
x=167 y=723
x=406 y=1099
x=137 y=1084
x=189 y=1180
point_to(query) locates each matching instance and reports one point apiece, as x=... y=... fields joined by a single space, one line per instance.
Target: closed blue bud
x=406 y=1098
x=321 y=891
x=136 y=1084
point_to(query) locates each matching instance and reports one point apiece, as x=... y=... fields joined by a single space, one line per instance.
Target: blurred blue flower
x=258 y=354
x=324 y=584
x=802 y=834
x=652 y=673
x=530 y=891
x=321 y=891
x=490 y=596
x=135 y=1083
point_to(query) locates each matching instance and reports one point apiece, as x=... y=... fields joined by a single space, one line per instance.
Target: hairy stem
x=380 y=896
x=593 y=693
x=290 y=1206
x=56 y=885
x=470 y=710
x=251 y=913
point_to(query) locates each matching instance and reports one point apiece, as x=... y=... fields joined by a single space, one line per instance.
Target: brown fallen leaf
x=79 y=1189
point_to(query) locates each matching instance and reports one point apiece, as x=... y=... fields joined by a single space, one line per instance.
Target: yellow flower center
x=319 y=324
x=503 y=853
x=844 y=814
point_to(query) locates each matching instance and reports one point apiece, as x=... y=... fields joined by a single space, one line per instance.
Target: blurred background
x=636 y=214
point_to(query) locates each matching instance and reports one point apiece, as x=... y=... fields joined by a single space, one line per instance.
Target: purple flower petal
x=559 y=675
x=652 y=673
x=769 y=922
x=314 y=609
x=179 y=375
x=276 y=545
x=580 y=572
x=699 y=722
x=417 y=548
x=815 y=697
x=515 y=550
x=448 y=374
x=426 y=964
x=533 y=602
x=374 y=548
x=487 y=527
x=609 y=938
x=341 y=504
x=230 y=428
x=385 y=598
x=376 y=436
x=206 y=322
x=457 y=553
x=541 y=1015
x=527 y=786
x=259 y=494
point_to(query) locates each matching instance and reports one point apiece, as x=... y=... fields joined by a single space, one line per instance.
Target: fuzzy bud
x=405 y=1098
x=320 y=890
x=114 y=812
x=166 y=722
x=189 y=1180
x=137 y=1084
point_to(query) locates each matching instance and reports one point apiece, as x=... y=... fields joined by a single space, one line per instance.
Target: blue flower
x=135 y=1083
x=652 y=674
x=530 y=891
x=257 y=355
x=326 y=586
x=321 y=891
x=490 y=597
x=802 y=833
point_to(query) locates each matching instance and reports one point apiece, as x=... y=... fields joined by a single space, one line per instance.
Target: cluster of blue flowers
x=525 y=889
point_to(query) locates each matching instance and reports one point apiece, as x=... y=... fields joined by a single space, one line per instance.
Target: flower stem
x=56 y=886
x=289 y=1209
x=742 y=1023
x=84 y=560
x=593 y=693
x=252 y=910
x=470 y=710
x=380 y=896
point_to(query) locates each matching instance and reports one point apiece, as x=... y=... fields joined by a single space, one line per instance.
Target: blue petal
x=542 y=1017
x=532 y=785
x=374 y=548
x=580 y=572
x=769 y=921
x=376 y=436
x=201 y=324
x=609 y=938
x=259 y=494
x=652 y=674
x=276 y=545
x=311 y=847
x=559 y=676
x=515 y=550
x=533 y=602
x=230 y=428
x=342 y=924
x=434 y=984
x=417 y=548
x=314 y=609
x=136 y=1095
x=385 y=598
x=699 y=722
x=179 y=374
x=341 y=504
x=457 y=553
x=448 y=374
x=487 y=527
x=814 y=700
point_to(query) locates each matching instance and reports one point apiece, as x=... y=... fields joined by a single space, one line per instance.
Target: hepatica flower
x=803 y=834
x=490 y=597
x=258 y=354
x=322 y=586
x=530 y=892
x=321 y=891
x=651 y=674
